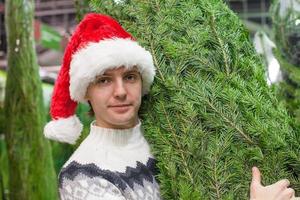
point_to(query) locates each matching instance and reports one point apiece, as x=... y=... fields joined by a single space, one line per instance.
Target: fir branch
x=226 y=119
x=173 y=131
x=220 y=41
x=215 y=179
x=155 y=61
x=232 y=124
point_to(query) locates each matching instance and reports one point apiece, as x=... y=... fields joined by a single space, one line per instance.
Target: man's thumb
x=256 y=177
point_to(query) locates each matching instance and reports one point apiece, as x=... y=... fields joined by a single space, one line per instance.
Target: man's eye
x=131 y=77
x=103 y=81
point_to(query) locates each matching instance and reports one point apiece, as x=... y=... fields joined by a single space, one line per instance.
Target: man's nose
x=119 y=89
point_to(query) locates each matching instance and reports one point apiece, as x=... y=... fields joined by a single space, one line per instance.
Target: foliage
x=31 y=171
x=286 y=31
x=82 y=7
x=3 y=170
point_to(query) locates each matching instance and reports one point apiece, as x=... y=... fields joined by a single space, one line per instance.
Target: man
x=104 y=66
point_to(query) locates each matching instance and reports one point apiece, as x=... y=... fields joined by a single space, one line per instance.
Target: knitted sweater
x=110 y=164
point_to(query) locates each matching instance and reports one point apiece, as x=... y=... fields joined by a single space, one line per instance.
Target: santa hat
x=98 y=43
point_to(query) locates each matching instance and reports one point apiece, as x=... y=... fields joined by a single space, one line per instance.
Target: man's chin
x=125 y=122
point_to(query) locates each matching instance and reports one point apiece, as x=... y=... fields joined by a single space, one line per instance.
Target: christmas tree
x=286 y=29
x=31 y=170
x=210 y=115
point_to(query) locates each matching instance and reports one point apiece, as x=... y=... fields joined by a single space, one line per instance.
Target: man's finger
x=295 y=198
x=256 y=177
x=287 y=194
x=282 y=184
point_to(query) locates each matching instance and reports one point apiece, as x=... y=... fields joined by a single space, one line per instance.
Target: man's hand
x=276 y=191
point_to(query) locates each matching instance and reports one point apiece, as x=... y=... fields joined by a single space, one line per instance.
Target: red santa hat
x=98 y=43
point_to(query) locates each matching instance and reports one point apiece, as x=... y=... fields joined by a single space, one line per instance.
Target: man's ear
x=86 y=97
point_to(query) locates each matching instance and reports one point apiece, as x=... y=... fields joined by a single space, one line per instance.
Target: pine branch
x=178 y=146
x=220 y=42
x=155 y=61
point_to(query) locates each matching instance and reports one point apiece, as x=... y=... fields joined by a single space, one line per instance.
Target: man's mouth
x=120 y=105
x=120 y=108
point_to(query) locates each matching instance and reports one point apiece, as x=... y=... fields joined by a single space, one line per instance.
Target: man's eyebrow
x=101 y=76
x=132 y=70
x=105 y=74
x=126 y=72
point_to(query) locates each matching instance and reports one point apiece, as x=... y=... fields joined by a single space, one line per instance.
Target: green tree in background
x=2 y=147
x=31 y=171
x=210 y=115
x=286 y=29
x=82 y=7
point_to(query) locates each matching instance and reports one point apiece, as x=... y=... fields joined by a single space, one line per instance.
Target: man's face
x=116 y=98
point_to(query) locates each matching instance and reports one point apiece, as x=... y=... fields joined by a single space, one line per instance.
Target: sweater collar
x=115 y=137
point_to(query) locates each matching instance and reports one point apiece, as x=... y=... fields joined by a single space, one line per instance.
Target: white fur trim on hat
x=96 y=57
x=64 y=129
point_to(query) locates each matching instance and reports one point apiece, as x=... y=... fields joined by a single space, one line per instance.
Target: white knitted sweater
x=110 y=164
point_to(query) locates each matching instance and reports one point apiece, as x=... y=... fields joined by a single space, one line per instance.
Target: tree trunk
x=31 y=170
x=210 y=115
